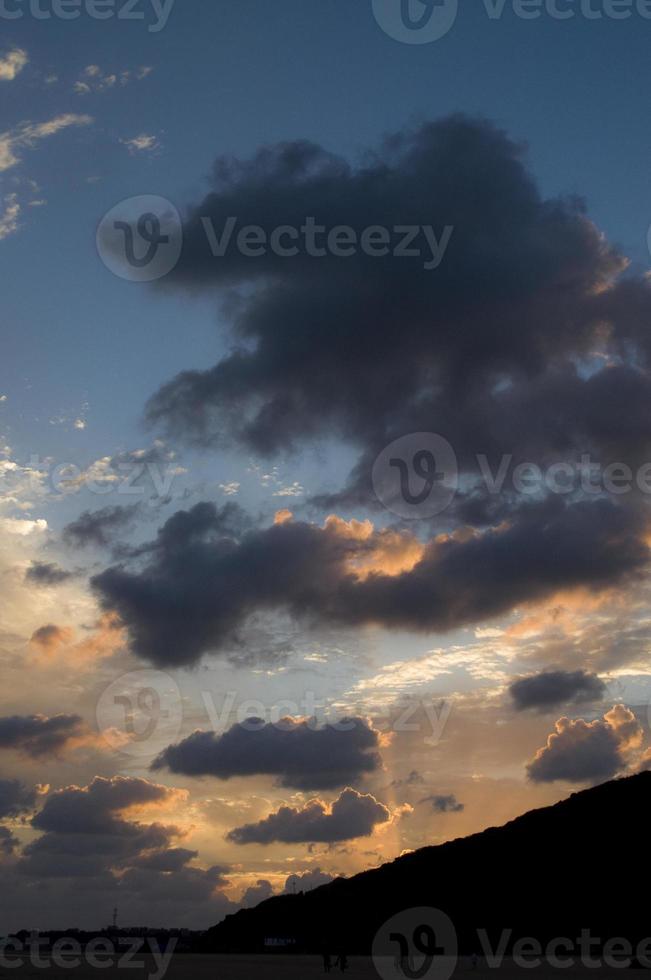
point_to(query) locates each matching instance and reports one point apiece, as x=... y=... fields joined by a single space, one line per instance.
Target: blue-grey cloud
x=299 y=754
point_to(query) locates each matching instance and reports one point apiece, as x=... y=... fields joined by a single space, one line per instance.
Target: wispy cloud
x=12 y=64
x=94 y=79
x=144 y=143
x=9 y=217
x=29 y=134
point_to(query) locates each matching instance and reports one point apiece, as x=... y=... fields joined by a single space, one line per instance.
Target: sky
x=329 y=539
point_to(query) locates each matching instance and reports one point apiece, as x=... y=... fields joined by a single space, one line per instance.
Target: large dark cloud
x=579 y=751
x=205 y=577
x=93 y=851
x=491 y=349
x=352 y=815
x=556 y=687
x=96 y=808
x=37 y=735
x=299 y=754
x=87 y=830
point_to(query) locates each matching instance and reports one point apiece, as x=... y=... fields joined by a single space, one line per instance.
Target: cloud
x=12 y=63
x=490 y=347
x=580 y=751
x=9 y=218
x=8 y=841
x=556 y=687
x=444 y=804
x=101 y=527
x=172 y=859
x=98 y=807
x=94 y=80
x=37 y=735
x=307 y=881
x=413 y=779
x=27 y=135
x=144 y=143
x=87 y=830
x=47 y=573
x=208 y=574
x=15 y=798
x=257 y=893
x=349 y=817
x=51 y=637
x=298 y=753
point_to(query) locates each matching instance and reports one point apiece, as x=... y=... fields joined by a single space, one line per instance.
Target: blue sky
x=226 y=79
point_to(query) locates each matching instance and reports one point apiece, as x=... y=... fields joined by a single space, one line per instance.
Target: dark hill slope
x=582 y=863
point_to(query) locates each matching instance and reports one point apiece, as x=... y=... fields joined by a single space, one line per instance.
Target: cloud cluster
x=350 y=816
x=526 y=340
x=206 y=574
x=298 y=753
x=580 y=751
x=93 y=79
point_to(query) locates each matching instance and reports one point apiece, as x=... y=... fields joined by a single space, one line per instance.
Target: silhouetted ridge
x=550 y=872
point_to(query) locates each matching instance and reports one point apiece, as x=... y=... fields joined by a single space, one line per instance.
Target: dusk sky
x=383 y=490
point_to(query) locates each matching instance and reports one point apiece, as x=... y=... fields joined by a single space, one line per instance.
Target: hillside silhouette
x=580 y=864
